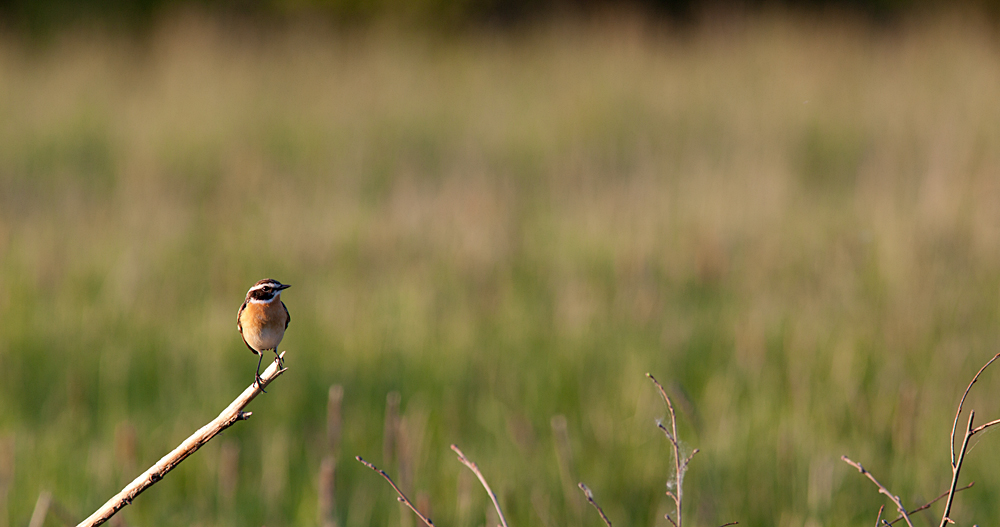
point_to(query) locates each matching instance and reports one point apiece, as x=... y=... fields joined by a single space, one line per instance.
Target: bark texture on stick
x=233 y=413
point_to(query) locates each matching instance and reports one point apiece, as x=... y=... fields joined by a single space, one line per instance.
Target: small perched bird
x=262 y=319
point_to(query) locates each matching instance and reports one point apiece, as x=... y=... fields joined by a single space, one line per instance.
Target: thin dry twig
x=881 y=489
x=233 y=413
x=878 y=518
x=475 y=469
x=961 y=403
x=728 y=524
x=928 y=504
x=970 y=430
x=680 y=465
x=590 y=498
x=402 y=497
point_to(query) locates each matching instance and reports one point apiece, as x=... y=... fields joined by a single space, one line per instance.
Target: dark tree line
x=44 y=15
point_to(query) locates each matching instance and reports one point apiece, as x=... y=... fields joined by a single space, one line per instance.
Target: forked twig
x=680 y=465
x=961 y=403
x=233 y=413
x=475 y=469
x=881 y=489
x=590 y=498
x=970 y=430
x=402 y=497
x=956 y=459
x=929 y=503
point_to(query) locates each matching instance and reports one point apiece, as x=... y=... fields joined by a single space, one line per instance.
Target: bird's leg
x=281 y=362
x=257 y=379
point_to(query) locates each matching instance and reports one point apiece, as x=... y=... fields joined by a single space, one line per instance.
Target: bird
x=263 y=319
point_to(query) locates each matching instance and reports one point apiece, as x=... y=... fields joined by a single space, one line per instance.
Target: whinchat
x=262 y=319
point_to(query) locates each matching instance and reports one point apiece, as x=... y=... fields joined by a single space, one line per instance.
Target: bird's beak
x=283 y=286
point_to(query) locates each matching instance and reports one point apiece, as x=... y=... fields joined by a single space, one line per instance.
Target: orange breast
x=264 y=325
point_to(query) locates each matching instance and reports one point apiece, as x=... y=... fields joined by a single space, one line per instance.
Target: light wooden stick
x=482 y=479
x=233 y=413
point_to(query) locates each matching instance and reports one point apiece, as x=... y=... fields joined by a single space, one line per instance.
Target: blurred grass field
x=794 y=224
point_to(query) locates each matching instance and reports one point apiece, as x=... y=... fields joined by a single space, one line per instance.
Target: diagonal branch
x=590 y=498
x=982 y=427
x=233 y=413
x=402 y=497
x=881 y=488
x=482 y=479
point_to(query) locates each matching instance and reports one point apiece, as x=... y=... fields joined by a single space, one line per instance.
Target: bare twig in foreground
x=970 y=430
x=590 y=498
x=881 y=489
x=475 y=470
x=680 y=465
x=402 y=497
x=961 y=403
x=929 y=503
x=233 y=413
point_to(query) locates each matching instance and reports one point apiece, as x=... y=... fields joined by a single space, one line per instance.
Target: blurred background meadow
x=493 y=230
